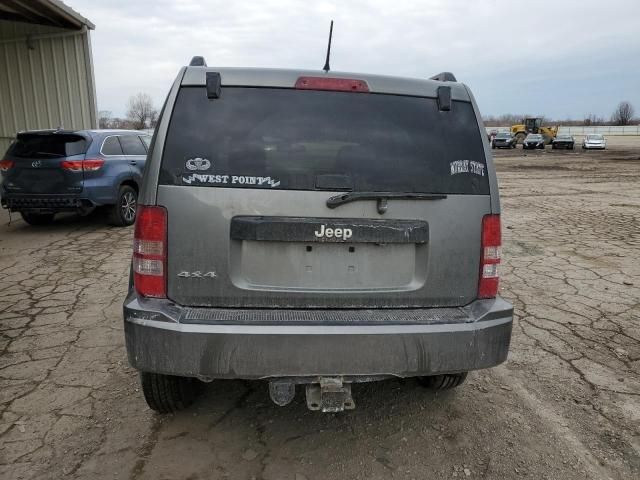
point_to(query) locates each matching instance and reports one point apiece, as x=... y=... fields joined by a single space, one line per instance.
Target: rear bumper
x=158 y=340
x=45 y=203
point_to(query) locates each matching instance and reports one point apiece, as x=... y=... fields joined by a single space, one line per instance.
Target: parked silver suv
x=317 y=229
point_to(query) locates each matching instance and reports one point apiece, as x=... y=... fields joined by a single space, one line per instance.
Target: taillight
x=490 y=257
x=150 y=252
x=329 y=83
x=5 y=165
x=90 y=165
x=72 y=165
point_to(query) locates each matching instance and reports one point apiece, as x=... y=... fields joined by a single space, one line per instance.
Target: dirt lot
x=566 y=405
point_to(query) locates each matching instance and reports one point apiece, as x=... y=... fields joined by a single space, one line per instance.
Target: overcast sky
x=557 y=58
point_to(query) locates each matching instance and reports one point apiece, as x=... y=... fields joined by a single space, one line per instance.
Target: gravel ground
x=566 y=405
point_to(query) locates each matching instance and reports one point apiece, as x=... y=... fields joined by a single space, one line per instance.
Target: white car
x=594 y=141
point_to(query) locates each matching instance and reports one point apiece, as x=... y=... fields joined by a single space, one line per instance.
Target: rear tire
x=123 y=213
x=443 y=382
x=37 y=218
x=168 y=393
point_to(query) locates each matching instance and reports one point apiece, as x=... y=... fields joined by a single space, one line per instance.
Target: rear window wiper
x=381 y=197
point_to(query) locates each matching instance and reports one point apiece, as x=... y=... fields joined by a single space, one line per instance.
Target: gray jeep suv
x=316 y=229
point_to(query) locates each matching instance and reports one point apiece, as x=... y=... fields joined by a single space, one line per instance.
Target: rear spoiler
x=47 y=132
x=30 y=134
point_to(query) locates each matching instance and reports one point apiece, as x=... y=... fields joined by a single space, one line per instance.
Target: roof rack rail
x=198 y=61
x=444 y=77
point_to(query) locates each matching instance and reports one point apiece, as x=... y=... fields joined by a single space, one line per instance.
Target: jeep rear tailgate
x=245 y=179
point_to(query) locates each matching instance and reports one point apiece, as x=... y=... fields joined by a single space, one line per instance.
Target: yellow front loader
x=533 y=125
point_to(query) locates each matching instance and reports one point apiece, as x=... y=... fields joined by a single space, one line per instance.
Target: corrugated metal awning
x=43 y=12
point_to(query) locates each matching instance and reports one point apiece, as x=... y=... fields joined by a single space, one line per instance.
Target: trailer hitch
x=330 y=395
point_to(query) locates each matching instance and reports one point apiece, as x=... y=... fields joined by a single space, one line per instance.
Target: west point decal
x=207 y=179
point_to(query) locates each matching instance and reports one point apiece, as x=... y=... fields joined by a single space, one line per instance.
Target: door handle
x=133 y=162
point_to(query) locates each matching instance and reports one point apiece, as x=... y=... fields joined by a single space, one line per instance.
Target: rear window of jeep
x=317 y=140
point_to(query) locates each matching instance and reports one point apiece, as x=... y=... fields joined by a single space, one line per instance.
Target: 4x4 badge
x=197 y=274
x=198 y=164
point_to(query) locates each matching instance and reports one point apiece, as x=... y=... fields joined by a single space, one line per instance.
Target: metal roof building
x=46 y=68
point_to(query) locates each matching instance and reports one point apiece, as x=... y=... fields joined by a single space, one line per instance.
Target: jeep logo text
x=324 y=232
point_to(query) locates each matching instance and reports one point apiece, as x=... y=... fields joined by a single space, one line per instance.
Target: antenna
x=326 y=63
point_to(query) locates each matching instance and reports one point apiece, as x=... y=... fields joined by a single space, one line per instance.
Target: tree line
x=141 y=114
x=622 y=115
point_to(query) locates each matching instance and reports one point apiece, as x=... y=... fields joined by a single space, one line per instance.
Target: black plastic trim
x=303 y=229
x=444 y=77
x=198 y=61
x=214 y=83
x=444 y=98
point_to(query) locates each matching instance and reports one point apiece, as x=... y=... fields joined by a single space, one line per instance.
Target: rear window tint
x=309 y=140
x=132 y=145
x=111 y=146
x=48 y=146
